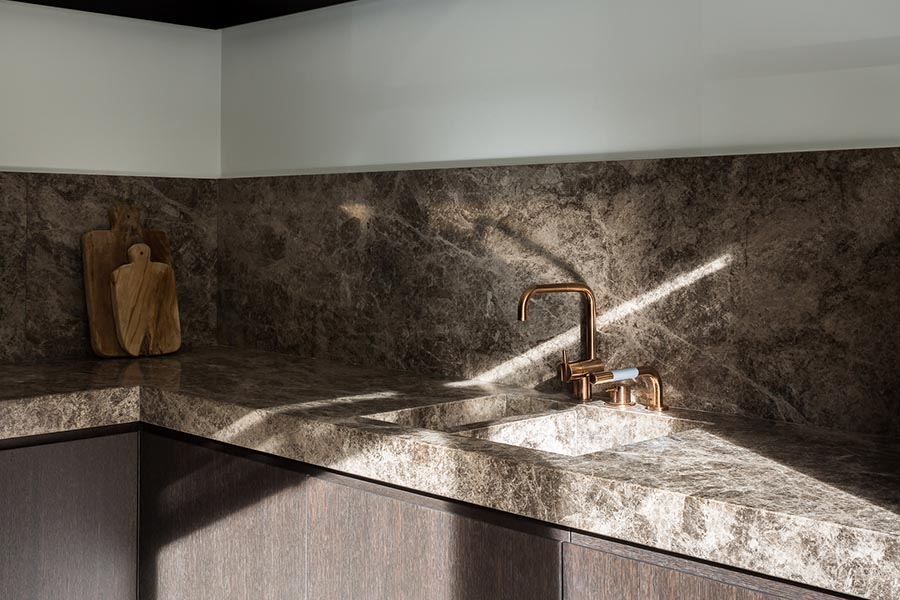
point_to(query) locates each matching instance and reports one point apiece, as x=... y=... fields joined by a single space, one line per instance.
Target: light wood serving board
x=145 y=306
x=103 y=252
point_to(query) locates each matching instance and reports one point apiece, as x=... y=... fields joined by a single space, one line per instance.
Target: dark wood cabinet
x=384 y=544
x=596 y=569
x=68 y=520
x=154 y=515
x=219 y=526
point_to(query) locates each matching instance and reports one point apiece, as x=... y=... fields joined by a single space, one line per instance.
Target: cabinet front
x=597 y=569
x=369 y=546
x=218 y=526
x=68 y=520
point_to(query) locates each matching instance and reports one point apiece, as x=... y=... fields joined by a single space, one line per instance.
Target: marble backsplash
x=42 y=218
x=764 y=285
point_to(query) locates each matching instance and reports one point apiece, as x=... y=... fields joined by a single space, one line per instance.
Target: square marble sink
x=541 y=424
x=451 y=416
x=582 y=429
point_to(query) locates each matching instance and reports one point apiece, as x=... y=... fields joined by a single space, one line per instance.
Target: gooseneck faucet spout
x=580 y=387
x=590 y=310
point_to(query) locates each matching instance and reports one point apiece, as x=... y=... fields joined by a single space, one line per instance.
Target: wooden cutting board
x=145 y=306
x=103 y=252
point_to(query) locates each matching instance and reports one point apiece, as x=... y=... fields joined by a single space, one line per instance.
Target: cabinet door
x=597 y=569
x=366 y=546
x=218 y=526
x=68 y=520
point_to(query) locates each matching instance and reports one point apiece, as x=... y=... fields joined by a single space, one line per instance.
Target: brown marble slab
x=761 y=285
x=12 y=266
x=802 y=503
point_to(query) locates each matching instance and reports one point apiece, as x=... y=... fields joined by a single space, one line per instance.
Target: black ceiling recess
x=209 y=15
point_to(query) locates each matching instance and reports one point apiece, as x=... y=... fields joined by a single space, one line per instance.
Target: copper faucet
x=578 y=376
x=579 y=386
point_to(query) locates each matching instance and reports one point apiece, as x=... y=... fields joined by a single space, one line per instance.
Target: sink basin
x=540 y=423
x=582 y=429
x=451 y=416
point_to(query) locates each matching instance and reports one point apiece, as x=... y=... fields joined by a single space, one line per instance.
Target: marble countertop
x=804 y=504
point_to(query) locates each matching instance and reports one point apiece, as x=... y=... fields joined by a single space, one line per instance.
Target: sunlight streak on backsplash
x=570 y=337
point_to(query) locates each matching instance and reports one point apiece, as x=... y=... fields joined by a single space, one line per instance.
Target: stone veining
x=760 y=285
x=802 y=503
x=42 y=218
x=12 y=266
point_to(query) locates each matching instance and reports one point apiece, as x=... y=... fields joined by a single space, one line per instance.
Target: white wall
x=411 y=83
x=381 y=83
x=82 y=92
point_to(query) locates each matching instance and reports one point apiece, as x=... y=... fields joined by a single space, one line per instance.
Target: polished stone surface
x=761 y=285
x=471 y=413
x=12 y=266
x=797 y=502
x=580 y=430
x=42 y=306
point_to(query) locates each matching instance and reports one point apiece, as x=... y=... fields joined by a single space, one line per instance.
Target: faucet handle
x=582 y=369
x=620 y=395
x=562 y=371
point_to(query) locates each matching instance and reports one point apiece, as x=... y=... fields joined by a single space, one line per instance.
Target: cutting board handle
x=126 y=221
x=138 y=254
